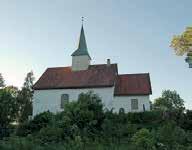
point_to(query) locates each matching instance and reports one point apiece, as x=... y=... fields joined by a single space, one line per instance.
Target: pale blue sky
x=136 y=34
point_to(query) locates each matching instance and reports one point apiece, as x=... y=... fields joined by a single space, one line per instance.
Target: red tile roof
x=94 y=77
x=64 y=77
x=133 y=84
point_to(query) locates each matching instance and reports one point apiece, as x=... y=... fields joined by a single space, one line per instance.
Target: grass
x=25 y=144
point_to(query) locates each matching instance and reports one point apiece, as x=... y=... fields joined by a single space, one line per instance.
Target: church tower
x=81 y=58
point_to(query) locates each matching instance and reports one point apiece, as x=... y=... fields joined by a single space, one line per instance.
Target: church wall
x=44 y=100
x=125 y=102
x=80 y=62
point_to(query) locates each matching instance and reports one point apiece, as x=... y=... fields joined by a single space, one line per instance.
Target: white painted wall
x=80 y=62
x=44 y=100
x=125 y=102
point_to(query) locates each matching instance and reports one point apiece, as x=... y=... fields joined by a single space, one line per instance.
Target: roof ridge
x=71 y=66
x=133 y=74
x=59 y=67
x=103 y=64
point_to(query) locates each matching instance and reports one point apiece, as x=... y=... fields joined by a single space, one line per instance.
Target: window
x=134 y=104
x=64 y=100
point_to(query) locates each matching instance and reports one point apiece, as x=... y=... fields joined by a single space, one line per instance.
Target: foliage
x=28 y=143
x=143 y=140
x=40 y=121
x=187 y=120
x=15 y=143
x=82 y=117
x=85 y=125
x=8 y=106
x=50 y=135
x=2 y=84
x=182 y=43
x=170 y=100
x=25 y=98
x=171 y=136
x=28 y=84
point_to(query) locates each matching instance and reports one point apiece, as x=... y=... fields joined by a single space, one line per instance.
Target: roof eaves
x=80 y=87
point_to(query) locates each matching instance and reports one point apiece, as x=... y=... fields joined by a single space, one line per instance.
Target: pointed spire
x=82 y=46
x=82 y=41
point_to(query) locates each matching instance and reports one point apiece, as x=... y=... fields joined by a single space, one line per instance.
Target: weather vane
x=82 y=19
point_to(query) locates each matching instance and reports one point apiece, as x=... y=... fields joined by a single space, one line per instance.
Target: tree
x=28 y=84
x=170 y=100
x=144 y=140
x=25 y=97
x=2 y=84
x=182 y=44
x=8 y=105
x=83 y=117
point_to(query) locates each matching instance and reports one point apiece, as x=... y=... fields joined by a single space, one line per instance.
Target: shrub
x=40 y=121
x=50 y=135
x=143 y=140
x=171 y=136
x=84 y=116
x=16 y=143
x=23 y=129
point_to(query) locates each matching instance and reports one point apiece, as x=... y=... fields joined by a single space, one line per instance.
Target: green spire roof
x=82 y=47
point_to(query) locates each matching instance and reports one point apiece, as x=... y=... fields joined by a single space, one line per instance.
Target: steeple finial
x=82 y=20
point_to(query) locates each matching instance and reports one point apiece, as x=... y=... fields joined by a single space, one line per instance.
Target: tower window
x=134 y=104
x=64 y=100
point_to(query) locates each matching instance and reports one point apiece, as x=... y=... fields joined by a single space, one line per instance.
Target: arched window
x=121 y=111
x=64 y=100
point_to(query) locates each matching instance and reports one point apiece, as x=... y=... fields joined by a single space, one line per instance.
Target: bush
x=171 y=136
x=40 y=121
x=144 y=140
x=50 y=135
x=16 y=143
x=23 y=129
x=83 y=117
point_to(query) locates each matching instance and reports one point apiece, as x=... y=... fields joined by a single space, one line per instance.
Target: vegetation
x=170 y=100
x=15 y=104
x=8 y=106
x=24 y=98
x=2 y=84
x=182 y=44
x=85 y=124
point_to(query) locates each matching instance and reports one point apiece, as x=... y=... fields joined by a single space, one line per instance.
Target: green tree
x=2 y=84
x=144 y=140
x=25 y=97
x=8 y=105
x=182 y=44
x=170 y=100
x=83 y=117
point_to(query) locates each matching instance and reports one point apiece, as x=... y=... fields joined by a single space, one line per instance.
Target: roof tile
x=133 y=84
x=64 y=77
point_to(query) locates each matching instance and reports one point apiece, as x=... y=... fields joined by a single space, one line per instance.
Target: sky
x=136 y=34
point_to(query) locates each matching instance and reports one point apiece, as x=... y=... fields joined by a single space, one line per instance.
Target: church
x=60 y=85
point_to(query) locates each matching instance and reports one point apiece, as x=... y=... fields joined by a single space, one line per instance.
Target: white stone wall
x=125 y=102
x=80 y=62
x=44 y=100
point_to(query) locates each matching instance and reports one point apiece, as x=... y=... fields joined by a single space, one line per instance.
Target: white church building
x=60 y=85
